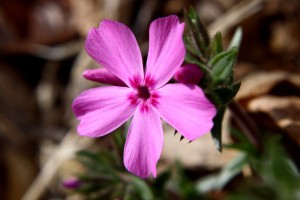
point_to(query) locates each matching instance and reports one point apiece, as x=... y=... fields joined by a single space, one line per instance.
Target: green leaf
x=191 y=47
x=218 y=181
x=222 y=67
x=141 y=188
x=196 y=33
x=216 y=45
x=226 y=94
x=277 y=178
x=191 y=58
x=119 y=139
x=100 y=165
x=182 y=185
x=253 y=190
x=216 y=131
x=275 y=169
x=160 y=183
x=242 y=143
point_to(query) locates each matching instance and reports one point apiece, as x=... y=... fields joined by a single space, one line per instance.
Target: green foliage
x=183 y=185
x=196 y=37
x=216 y=45
x=159 y=185
x=274 y=176
x=104 y=179
x=243 y=144
x=222 y=67
x=217 y=128
x=105 y=176
x=216 y=64
x=218 y=181
x=138 y=188
x=277 y=176
x=276 y=170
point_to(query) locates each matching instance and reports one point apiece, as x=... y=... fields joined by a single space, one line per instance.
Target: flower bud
x=102 y=75
x=188 y=74
x=71 y=183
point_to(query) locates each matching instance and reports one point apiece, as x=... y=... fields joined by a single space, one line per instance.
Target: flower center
x=143 y=92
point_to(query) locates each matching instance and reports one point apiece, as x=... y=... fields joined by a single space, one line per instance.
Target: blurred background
x=42 y=58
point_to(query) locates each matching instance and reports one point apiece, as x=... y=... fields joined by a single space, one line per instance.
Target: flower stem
x=246 y=124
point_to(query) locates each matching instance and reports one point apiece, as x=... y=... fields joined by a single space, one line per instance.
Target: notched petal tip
x=114 y=46
x=166 y=48
x=142 y=173
x=196 y=113
x=102 y=110
x=144 y=143
x=170 y=19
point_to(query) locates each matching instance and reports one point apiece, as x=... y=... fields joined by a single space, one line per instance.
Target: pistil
x=143 y=92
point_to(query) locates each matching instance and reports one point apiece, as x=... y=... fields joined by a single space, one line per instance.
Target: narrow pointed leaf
x=218 y=181
x=216 y=45
x=183 y=185
x=191 y=46
x=226 y=94
x=216 y=131
x=197 y=34
x=190 y=58
x=141 y=188
x=159 y=184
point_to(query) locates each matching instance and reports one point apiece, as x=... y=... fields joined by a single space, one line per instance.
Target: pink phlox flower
x=147 y=97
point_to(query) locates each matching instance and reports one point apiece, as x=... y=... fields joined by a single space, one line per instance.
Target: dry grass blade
x=70 y=144
x=235 y=15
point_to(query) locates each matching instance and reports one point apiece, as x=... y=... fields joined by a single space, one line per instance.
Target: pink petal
x=102 y=75
x=188 y=74
x=166 y=49
x=101 y=110
x=144 y=143
x=186 y=108
x=114 y=46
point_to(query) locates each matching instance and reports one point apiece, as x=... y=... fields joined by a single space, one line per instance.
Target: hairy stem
x=246 y=124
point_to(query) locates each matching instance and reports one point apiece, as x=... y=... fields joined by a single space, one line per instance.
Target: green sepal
x=221 y=96
x=192 y=49
x=222 y=67
x=216 y=45
x=190 y=57
x=196 y=33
